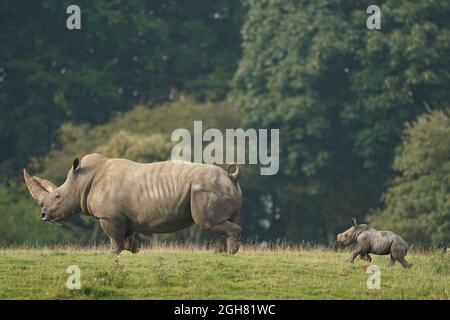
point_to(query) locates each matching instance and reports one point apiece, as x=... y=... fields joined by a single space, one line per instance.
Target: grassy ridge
x=187 y=273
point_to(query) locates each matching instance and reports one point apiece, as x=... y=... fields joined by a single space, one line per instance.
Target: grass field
x=197 y=273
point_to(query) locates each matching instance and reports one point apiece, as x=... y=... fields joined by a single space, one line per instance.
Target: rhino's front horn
x=39 y=188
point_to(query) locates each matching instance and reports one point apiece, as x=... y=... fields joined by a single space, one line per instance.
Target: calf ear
x=354 y=222
x=76 y=165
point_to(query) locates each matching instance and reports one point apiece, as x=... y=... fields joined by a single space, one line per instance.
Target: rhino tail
x=234 y=176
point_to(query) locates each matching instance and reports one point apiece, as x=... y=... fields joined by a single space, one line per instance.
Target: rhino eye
x=58 y=196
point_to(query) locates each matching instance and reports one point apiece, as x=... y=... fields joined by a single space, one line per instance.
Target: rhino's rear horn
x=354 y=222
x=39 y=188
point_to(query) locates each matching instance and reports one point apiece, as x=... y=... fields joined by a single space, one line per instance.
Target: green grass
x=197 y=273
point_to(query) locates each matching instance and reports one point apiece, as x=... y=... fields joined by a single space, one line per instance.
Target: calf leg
x=398 y=251
x=365 y=256
x=392 y=260
x=354 y=254
x=404 y=263
x=116 y=231
x=360 y=250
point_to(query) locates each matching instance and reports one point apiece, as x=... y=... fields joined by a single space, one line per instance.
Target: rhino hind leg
x=365 y=257
x=229 y=231
x=221 y=244
x=398 y=252
x=404 y=263
x=392 y=260
x=358 y=251
x=116 y=232
x=216 y=212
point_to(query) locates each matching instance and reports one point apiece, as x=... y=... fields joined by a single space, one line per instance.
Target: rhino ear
x=39 y=188
x=76 y=165
x=354 y=222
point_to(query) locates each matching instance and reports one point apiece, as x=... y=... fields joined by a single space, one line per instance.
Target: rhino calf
x=369 y=240
x=128 y=197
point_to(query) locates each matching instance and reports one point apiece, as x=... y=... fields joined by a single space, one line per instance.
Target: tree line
x=363 y=114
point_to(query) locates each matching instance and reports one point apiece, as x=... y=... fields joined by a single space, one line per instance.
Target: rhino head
x=57 y=203
x=349 y=236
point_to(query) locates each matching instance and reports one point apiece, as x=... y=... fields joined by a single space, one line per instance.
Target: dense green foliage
x=340 y=94
x=20 y=221
x=418 y=203
x=127 y=52
x=142 y=134
x=179 y=273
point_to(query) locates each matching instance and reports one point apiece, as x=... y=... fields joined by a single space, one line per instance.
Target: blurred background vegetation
x=363 y=114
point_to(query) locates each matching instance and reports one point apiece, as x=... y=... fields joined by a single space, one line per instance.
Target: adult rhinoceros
x=128 y=197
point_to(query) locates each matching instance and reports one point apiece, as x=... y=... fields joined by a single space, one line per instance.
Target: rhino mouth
x=343 y=242
x=52 y=220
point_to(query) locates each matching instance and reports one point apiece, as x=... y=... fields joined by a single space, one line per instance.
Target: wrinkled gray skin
x=369 y=240
x=128 y=197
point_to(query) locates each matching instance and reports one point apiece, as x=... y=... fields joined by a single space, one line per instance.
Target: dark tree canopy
x=340 y=94
x=127 y=52
x=418 y=202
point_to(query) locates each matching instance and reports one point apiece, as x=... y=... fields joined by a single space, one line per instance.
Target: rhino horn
x=48 y=185
x=39 y=188
x=354 y=222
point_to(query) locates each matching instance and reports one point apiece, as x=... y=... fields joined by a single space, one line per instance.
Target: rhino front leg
x=116 y=231
x=365 y=257
x=131 y=242
x=354 y=254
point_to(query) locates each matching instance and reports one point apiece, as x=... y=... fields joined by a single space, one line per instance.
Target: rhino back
x=380 y=241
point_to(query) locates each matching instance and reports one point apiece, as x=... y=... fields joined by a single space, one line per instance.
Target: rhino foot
x=232 y=245
x=365 y=257
x=404 y=263
x=132 y=244
x=116 y=251
x=221 y=245
x=230 y=232
x=134 y=248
